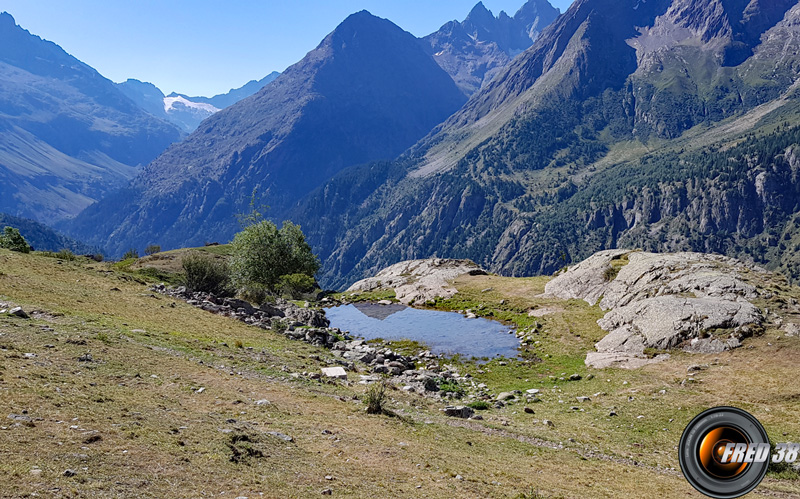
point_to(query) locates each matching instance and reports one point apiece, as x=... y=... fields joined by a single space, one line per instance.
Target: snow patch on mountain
x=170 y=104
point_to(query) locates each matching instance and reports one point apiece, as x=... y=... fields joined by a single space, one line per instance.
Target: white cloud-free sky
x=206 y=47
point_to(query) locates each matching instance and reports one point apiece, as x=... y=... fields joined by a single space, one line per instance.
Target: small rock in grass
x=18 y=312
x=282 y=436
x=69 y=473
x=528 y=410
x=337 y=372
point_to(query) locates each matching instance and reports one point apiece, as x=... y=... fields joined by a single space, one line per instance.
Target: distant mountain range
x=367 y=92
x=182 y=110
x=624 y=124
x=475 y=50
x=667 y=124
x=67 y=135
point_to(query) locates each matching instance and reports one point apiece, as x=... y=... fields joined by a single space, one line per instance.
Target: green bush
x=206 y=273
x=13 y=240
x=66 y=254
x=262 y=254
x=152 y=249
x=479 y=405
x=295 y=285
x=376 y=397
x=132 y=253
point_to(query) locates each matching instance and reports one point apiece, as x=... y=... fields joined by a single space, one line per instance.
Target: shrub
x=132 y=253
x=66 y=254
x=152 y=249
x=297 y=284
x=262 y=254
x=205 y=273
x=13 y=240
x=375 y=398
x=479 y=405
x=452 y=387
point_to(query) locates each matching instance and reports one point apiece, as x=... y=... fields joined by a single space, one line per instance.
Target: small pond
x=444 y=332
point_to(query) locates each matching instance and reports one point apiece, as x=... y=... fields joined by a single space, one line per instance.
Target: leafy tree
x=152 y=249
x=262 y=254
x=13 y=240
x=295 y=285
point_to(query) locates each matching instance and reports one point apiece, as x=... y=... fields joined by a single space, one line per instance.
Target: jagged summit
x=475 y=50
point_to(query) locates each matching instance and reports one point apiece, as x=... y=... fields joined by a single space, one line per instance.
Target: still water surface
x=444 y=332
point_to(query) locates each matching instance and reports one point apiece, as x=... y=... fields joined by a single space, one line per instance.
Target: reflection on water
x=380 y=312
x=443 y=332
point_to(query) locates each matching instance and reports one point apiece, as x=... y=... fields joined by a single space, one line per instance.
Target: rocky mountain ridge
x=473 y=51
x=565 y=129
x=69 y=136
x=367 y=92
x=185 y=111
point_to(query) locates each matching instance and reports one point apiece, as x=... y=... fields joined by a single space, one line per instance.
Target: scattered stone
x=583 y=399
x=262 y=402
x=282 y=436
x=69 y=473
x=533 y=391
x=87 y=357
x=337 y=372
x=459 y=411
x=384 y=302
x=547 y=422
x=612 y=413
x=575 y=377
x=327 y=492
x=504 y=396
x=528 y=410
x=697 y=367
x=18 y=312
x=200 y=390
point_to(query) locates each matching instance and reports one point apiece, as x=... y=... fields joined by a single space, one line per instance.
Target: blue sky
x=205 y=47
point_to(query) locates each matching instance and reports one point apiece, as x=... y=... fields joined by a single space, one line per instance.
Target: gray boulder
x=419 y=280
x=662 y=301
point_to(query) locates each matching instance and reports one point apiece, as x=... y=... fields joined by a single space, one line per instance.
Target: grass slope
x=166 y=406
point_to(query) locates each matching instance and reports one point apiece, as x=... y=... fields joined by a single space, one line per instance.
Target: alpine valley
x=665 y=125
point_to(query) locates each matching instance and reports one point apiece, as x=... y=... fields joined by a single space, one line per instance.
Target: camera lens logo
x=724 y=452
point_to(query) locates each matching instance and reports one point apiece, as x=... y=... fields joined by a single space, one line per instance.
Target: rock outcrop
x=419 y=280
x=663 y=301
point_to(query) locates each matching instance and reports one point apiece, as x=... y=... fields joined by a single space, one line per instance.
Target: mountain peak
x=480 y=15
x=362 y=16
x=7 y=20
x=536 y=8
